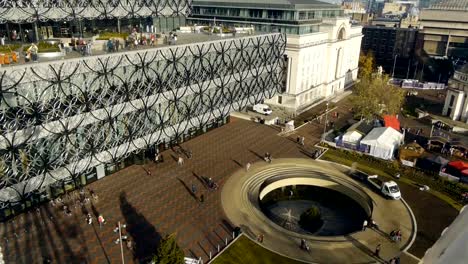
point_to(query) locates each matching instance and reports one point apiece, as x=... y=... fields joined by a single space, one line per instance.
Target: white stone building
x=456 y=103
x=320 y=64
x=322 y=46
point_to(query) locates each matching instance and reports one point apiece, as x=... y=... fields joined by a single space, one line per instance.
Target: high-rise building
x=393 y=48
x=445 y=29
x=322 y=45
x=80 y=113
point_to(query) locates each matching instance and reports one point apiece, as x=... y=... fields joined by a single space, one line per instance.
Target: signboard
x=407 y=163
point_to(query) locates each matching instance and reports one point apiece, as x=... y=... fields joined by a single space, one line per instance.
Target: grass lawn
x=365 y=166
x=248 y=252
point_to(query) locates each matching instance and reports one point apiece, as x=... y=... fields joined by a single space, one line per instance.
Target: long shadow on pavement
x=200 y=179
x=194 y=196
x=238 y=163
x=364 y=249
x=143 y=233
x=256 y=154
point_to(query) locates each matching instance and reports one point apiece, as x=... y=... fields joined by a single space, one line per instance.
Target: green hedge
x=453 y=189
x=110 y=35
x=44 y=47
x=9 y=48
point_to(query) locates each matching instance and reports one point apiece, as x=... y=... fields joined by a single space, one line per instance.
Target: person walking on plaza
x=89 y=219
x=247 y=166
x=32 y=52
x=101 y=221
x=202 y=198
x=377 y=250
x=260 y=238
x=180 y=161
x=194 y=189
x=190 y=154
x=364 y=225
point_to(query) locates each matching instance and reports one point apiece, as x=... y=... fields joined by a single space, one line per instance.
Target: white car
x=262 y=109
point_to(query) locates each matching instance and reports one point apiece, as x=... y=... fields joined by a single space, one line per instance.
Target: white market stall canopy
x=352 y=137
x=381 y=142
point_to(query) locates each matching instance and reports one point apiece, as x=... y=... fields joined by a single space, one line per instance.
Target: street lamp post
x=394 y=64
x=119 y=227
x=325 y=125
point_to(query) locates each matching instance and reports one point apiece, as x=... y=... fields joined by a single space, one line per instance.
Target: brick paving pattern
x=151 y=205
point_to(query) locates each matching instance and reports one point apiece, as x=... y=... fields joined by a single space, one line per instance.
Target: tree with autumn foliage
x=366 y=65
x=374 y=96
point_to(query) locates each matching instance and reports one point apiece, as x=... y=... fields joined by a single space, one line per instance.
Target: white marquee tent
x=352 y=137
x=382 y=142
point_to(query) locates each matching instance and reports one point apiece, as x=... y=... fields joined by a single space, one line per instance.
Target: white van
x=262 y=109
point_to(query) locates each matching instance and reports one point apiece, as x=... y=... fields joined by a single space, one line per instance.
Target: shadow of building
x=141 y=232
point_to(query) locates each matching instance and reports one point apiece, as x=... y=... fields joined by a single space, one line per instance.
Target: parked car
x=262 y=109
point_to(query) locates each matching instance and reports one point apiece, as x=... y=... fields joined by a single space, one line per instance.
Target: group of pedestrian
x=113 y=44
x=395 y=260
x=305 y=245
x=158 y=158
x=211 y=184
x=260 y=238
x=371 y=224
x=395 y=235
x=31 y=53
x=267 y=157
x=100 y=219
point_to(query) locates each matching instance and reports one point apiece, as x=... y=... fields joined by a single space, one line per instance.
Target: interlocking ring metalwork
x=58 y=119
x=17 y=11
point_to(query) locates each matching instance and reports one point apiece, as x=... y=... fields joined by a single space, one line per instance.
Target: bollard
x=233 y=235
x=218 y=248
x=226 y=241
x=210 y=254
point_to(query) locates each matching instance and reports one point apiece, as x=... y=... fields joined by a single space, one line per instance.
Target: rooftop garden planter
x=44 y=47
x=111 y=35
x=9 y=48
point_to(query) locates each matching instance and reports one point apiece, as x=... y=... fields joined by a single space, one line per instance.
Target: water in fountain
x=290 y=221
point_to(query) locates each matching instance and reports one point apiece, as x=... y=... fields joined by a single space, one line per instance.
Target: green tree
x=374 y=96
x=366 y=65
x=168 y=251
x=311 y=219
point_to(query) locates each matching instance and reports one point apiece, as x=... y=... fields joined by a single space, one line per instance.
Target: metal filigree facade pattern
x=17 y=11
x=59 y=119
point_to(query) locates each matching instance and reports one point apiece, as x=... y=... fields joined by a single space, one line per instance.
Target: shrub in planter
x=44 y=47
x=9 y=48
x=110 y=35
x=311 y=220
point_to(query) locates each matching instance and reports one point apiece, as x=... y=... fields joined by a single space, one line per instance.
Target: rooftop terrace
x=182 y=39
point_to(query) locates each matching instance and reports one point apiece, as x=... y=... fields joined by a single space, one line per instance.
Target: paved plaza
x=161 y=203
x=151 y=205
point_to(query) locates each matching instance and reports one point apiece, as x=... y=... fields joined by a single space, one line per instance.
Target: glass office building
x=285 y=16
